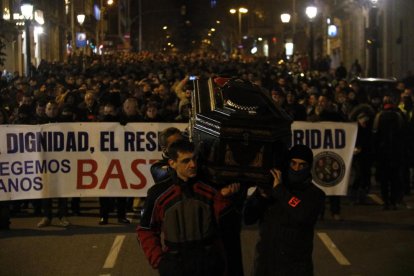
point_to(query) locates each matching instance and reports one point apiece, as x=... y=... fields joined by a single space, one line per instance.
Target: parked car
x=376 y=87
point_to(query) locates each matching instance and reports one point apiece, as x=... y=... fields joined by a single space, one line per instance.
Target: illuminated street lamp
x=240 y=12
x=285 y=18
x=80 y=18
x=82 y=39
x=311 y=12
x=27 y=12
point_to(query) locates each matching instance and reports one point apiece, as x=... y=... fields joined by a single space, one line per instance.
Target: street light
x=240 y=12
x=311 y=11
x=285 y=18
x=80 y=18
x=27 y=12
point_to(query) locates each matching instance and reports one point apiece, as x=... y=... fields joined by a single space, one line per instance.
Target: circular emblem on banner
x=328 y=169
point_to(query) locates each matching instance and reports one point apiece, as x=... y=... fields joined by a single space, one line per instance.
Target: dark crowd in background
x=149 y=87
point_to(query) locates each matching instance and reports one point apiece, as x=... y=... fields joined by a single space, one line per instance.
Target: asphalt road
x=369 y=241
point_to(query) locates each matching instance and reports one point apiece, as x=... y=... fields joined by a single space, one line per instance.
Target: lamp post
x=373 y=39
x=311 y=11
x=285 y=18
x=81 y=19
x=240 y=12
x=27 y=12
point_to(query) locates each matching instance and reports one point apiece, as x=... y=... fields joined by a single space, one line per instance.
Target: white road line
x=376 y=199
x=113 y=253
x=340 y=258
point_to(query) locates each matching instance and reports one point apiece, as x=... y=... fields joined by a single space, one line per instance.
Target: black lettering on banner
x=315 y=139
x=58 y=141
x=12 y=143
x=327 y=141
x=24 y=184
x=151 y=144
x=340 y=138
x=140 y=141
x=41 y=166
x=37 y=183
x=4 y=168
x=70 y=141
x=65 y=166
x=129 y=141
x=107 y=141
x=29 y=141
x=298 y=137
x=29 y=167
x=47 y=142
x=53 y=166
x=16 y=168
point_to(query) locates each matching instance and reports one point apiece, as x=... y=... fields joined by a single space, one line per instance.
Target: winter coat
x=286 y=228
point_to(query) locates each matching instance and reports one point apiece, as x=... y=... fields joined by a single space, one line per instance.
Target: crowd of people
x=148 y=87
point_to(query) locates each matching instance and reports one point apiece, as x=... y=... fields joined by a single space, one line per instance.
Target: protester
x=160 y=170
x=189 y=226
x=52 y=114
x=4 y=205
x=287 y=213
x=327 y=111
x=388 y=130
x=140 y=78
x=362 y=159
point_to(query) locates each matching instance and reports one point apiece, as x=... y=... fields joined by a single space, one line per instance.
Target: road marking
x=113 y=253
x=340 y=258
x=376 y=199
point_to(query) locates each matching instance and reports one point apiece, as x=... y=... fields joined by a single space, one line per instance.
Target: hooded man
x=287 y=213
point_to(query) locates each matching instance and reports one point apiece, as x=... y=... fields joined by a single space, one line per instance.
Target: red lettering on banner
x=87 y=169
x=294 y=201
x=135 y=170
x=82 y=173
x=119 y=175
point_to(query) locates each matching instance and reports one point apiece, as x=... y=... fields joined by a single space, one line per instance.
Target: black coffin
x=240 y=132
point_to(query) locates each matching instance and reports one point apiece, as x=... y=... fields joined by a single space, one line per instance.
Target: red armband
x=294 y=201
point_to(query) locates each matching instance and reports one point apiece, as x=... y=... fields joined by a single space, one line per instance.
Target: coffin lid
x=230 y=107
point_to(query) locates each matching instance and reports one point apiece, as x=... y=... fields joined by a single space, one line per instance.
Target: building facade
x=377 y=33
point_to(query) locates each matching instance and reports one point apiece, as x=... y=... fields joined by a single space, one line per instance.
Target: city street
x=369 y=241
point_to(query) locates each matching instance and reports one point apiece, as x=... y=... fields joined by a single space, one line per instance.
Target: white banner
x=78 y=159
x=333 y=146
x=108 y=159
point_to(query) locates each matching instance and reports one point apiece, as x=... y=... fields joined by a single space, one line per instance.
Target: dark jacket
x=388 y=133
x=286 y=228
x=160 y=170
x=187 y=215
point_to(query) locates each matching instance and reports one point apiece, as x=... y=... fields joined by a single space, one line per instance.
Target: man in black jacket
x=179 y=231
x=287 y=212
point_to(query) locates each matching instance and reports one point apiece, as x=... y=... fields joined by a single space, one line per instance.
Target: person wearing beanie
x=390 y=147
x=287 y=212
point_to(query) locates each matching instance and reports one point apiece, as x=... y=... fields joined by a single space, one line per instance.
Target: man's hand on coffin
x=277 y=175
x=230 y=189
